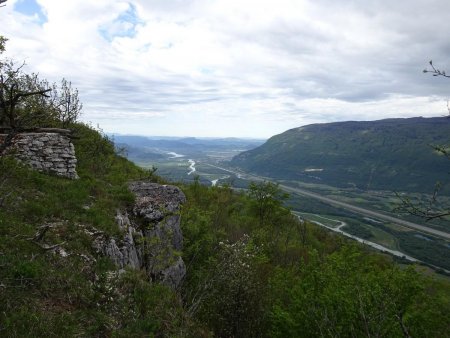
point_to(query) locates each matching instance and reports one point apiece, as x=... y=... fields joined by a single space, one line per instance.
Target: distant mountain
x=187 y=145
x=138 y=154
x=391 y=154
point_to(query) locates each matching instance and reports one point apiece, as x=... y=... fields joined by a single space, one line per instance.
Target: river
x=191 y=166
x=174 y=155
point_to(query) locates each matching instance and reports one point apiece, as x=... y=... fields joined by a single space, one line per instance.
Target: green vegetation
x=26 y=101
x=254 y=270
x=284 y=278
x=46 y=293
x=393 y=154
x=429 y=249
x=426 y=248
x=357 y=225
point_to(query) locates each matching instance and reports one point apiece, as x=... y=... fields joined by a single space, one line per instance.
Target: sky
x=236 y=68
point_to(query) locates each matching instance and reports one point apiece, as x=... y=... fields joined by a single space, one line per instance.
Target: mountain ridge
x=396 y=154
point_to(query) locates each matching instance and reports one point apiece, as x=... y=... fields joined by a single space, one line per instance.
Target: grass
x=54 y=293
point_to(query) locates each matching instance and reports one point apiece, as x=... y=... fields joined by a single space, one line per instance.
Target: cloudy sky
x=250 y=68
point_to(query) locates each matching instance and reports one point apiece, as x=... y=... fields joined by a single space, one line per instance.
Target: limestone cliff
x=152 y=238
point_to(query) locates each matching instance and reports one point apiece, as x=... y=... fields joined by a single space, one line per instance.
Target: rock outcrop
x=47 y=152
x=152 y=238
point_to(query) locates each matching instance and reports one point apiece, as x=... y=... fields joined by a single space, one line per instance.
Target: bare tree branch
x=427 y=210
x=40 y=233
x=435 y=71
x=47 y=247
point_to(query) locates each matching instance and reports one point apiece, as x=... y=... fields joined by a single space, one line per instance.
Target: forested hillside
x=253 y=269
x=391 y=154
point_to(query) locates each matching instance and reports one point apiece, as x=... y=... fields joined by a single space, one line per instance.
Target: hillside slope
x=252 y=268
x=392 y=154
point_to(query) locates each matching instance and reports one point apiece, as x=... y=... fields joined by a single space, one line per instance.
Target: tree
x=350 y=293
x=267 y=198
x=22 y=98
x=66 y=102
x=2 y=44
x=234 y=300
x=28 y=102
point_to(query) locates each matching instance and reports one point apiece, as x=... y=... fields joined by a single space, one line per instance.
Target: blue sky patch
x=31 y=8
x=123 y=26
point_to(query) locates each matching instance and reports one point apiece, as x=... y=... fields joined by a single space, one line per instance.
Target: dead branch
x=15 y=99
x=47 y=247
x=40 y=233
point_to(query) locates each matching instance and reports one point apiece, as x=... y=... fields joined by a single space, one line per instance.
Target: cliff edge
x=152 y=238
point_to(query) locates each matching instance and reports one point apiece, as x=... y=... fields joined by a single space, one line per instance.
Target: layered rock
x=152 y=238
x=47 y=152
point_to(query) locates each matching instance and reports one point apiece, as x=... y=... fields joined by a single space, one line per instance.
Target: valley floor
x=368 y=215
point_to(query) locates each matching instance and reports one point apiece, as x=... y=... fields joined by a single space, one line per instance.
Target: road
x=364 y=241
x=366 y=212
x=347 y=206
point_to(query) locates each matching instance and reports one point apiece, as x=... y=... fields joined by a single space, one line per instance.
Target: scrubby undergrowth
x=254 y=270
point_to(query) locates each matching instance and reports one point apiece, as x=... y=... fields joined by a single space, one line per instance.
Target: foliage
x=267 y=198
x=45 y=293
x=352 y=294
x=23 y=98
x=2 y=44
x=26 y=101
x=234 y=301
x=392 y=154
x=278 y=278
x=66 y=103
x=292 y=279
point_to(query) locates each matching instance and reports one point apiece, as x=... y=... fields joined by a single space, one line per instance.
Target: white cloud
x=237 y=68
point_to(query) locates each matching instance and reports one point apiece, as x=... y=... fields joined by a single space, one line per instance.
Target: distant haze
x=244 y=68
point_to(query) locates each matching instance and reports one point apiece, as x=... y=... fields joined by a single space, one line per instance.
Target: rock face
x=47 y=152
x=126 y=251
x=152 y=238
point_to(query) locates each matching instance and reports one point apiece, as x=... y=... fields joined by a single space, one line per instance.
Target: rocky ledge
x=152 y=239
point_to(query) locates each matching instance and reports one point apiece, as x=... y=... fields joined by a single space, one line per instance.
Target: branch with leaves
x=435 y=71
x=27 y=102
x=23 y=99
x=66 y=102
